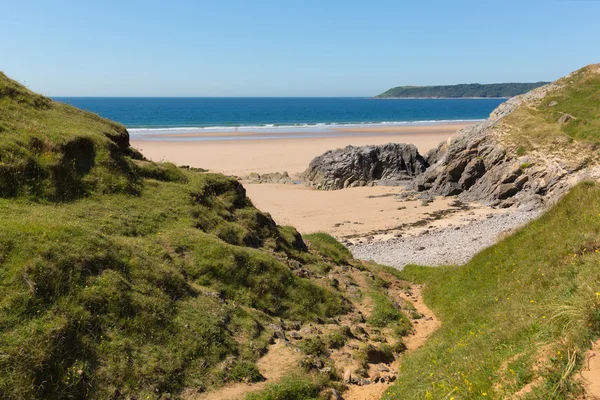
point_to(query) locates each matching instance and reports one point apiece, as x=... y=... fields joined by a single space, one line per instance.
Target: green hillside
x=494 y=90
x=123 y=278
x=520 y=313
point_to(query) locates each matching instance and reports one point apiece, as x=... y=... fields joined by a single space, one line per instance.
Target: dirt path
x=279 y=361
x=423 y=328
x=590 y=373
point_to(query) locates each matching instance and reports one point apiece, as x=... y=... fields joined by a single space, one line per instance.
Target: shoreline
x=240 y=156
x=333 y=132
x=312 y=130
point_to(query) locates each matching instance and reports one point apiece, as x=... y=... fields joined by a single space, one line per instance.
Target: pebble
x=445 y=246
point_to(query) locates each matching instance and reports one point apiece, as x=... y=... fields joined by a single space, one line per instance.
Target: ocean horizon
x=157 y=117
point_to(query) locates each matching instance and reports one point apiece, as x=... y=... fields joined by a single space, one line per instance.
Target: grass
x=53 y=151
x=126 y=278
x=290 y=388
x=538 y=128
x=328 y=246
x=534 y=297
x=135 y=297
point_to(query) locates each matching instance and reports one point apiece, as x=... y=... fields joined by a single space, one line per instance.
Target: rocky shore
x=452 y=245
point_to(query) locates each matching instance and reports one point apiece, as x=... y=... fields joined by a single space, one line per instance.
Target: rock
x=375 y=377
x=275 y=177
x=383 y=368
x=330 y=394
x=376 y=356
x=295 y=335
x=325 y=370
x=473 y=171
x=553 y=103
x=565 y=118
x=295 y=325
x=350 y=376
x=364 y=382
x=360 y=166
x=312 y=363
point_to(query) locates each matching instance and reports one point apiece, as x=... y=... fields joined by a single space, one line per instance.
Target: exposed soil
x=590 y=373
x=284 y=357
x=423 y=328
x=279 y=361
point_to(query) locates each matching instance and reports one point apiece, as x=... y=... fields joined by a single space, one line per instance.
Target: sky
x=289 y=48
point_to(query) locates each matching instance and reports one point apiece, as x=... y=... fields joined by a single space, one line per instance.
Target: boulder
x=362 y=166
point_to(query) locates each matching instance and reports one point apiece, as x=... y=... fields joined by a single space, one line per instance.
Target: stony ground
x=444 y=246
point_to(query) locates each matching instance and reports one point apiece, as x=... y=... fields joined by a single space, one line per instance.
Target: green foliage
x=245 y=371
x=539 y=128
x=165 y=172
x=386 y=313
x=463 y=90
x=290 y=388
x=53 y=151
x=329 y=247
x=533 y=294
x=337 y=339
x=525 y=165
x=124 y=294
x=312 y=346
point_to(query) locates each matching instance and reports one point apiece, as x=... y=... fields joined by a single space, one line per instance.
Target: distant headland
x=470 y=90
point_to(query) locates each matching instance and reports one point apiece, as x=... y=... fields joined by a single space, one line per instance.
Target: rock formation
x=484 y=162
x=361 y=166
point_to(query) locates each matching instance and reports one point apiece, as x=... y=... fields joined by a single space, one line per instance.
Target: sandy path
x=425 y=327
x=590 y=373
x=279 y=361
x=241 y=157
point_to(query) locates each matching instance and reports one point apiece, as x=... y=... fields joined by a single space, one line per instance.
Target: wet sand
x=243 y=156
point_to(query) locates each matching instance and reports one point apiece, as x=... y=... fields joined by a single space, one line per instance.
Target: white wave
x=287 y=128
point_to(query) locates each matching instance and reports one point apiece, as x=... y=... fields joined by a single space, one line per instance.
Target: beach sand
x=349 y=214
x=241 y=157
x=354 y=213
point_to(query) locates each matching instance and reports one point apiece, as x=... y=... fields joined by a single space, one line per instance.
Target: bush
x=245 y=371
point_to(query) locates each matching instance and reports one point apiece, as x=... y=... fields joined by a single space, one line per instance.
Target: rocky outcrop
x=479 y=164
x=361 y=166
x=274 y=177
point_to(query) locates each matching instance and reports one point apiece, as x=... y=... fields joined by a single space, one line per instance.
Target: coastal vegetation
x=494 y=90
x=566 y=118
x=518 y=317
x=124 y=278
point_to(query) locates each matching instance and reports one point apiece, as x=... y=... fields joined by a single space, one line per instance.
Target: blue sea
x=156 y=118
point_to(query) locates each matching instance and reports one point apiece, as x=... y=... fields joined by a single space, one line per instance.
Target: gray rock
x=295 y=335
x=362 y=166
x=275 y=177
x=565 y=118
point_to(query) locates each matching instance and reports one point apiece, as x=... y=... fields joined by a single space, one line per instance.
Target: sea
x=156 y=118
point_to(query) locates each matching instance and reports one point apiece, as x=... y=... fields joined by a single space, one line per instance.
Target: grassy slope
x=531 y=298
x=54 y=151
x=464 y=90
x=537 y=127
x=121 y=277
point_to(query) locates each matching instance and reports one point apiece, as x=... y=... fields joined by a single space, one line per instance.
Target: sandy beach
x=262 y=154
x=374 y=222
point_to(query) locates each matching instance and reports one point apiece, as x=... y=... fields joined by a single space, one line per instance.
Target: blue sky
x=289 y=48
